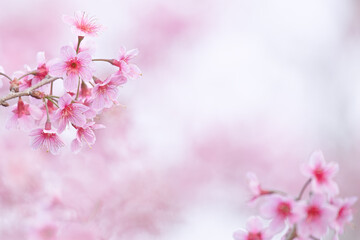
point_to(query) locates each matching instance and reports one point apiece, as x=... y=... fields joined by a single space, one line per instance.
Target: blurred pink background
x=228 y=87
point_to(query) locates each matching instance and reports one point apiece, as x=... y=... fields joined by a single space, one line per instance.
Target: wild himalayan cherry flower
x=71 y=67
x=82 y=25
x=46 y=139
x=23 y=116
x=105 y=93
x=127 y=69
x=318 y=215
x=255 y=231
x=86 y=135
x=280 y=209
x=344 y=213
x=69 y=112
x=255 y=187
x=42 y=69
x=321 y=174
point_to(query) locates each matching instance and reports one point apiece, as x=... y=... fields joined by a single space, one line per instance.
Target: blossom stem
x=303 y=189
x=3 y=74
x=27 y=74
x=78 y=90
x=27 y=92
x=47 y=111
x=102 y=60
x=52 y=100
x=80 y=38
x=51 y=88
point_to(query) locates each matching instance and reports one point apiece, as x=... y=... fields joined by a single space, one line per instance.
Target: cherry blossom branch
x=27 y=92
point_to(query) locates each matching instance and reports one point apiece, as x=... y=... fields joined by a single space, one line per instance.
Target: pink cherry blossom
x=86 y=135
x=72 y=66
x=344 y=213
x=280 y=209
x=125 y=68
x=42 y=69
x=255 y=231
x=318 y=215
x=321 y=174
x=46 y=139
x=255 y=187
x=82 y=25
x=69 y=112
x=23 y=116
x=105 y=93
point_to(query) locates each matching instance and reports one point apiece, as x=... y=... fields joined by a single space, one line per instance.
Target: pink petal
x=75 y=146
x=68 y=19
x=65 y=100
x=67 y=53
x=132 y=53
x=71 y=82
x=61 y=125
x=58 y=69
x=40 y=57
x=240 y=235
x=254 y=224
x=84 y=58
x=86 y=74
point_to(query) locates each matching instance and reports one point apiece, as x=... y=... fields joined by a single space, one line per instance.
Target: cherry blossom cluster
x=51 y=108
x=289 y=217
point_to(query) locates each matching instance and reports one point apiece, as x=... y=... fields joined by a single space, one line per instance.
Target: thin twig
x=26 y=92
x=303 y=189
x=27 y=74
x=3 y=74
x=102 y=60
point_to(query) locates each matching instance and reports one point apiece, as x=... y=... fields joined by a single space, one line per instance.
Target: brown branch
x=303 y=189
x=26 y=92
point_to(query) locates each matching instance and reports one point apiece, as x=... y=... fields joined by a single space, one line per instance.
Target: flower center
x=284 y=209
x=313 y=213
x=67 y=111
x=319 y=174
x=254 y=236
x=103 y=89
x=42 y=71
x=73 y=64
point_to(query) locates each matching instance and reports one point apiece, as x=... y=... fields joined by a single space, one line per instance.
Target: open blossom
x=46 y=139
x=344 y=213
x=255 y=231
x=85 y=135
x=23 y=116
x=72 y=66
x=69 y=112
x=321 y=174
x=105 y=93
x=318 y=215
x=127 y=69
x=280 y=209
x=42 y=69
x=255 y=187
x=82 y=24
